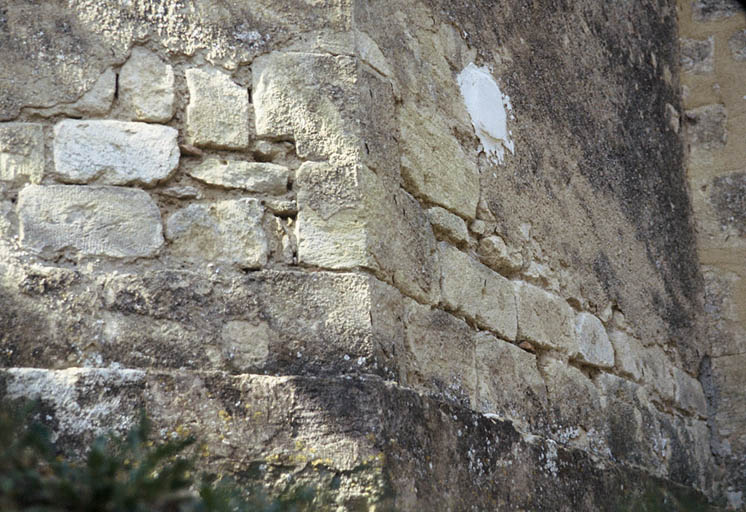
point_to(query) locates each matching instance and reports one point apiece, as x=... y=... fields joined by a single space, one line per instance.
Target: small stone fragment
x=447 y=225
x=146 y=87
x=21 y=152
x=594 y=347
x=221 y=232
x=698 y=56
x=282 y=207
x=545 y=319
x=189 y=150
x=114 y=152
x=476 y=291
x=495 y=254
x=97 y=101
x=97 y=221
x=260 y=177
x=184 y=192
x=218 y=110
x=737 y=45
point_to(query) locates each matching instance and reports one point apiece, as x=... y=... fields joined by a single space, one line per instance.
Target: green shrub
x=118 y=474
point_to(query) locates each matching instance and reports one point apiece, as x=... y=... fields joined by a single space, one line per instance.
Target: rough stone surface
x=656 y=371
x=707 y=127
x=688 y=393
x=448 y=226
x=227 y=231
x=218 y=110
x=594 y=347
x=477 y=292
x=509 y=383
x=713 y=10
x=495 y=254
x=146 y=87
x=545 y=319
x=114 y=152
x=737 y=45
x=94 y=221
x=96 y=101
x=260 y=177
x=728 y=198
x=697 y=56
x=21 y=152
x=628 y=354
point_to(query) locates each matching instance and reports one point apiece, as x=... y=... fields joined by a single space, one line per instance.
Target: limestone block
x=688 y=393
x=96 y=221
x=260 y=177
x=594 y=347
x=114 y=152
x=95 y=102
x=495 y=254
x=448 y=226
x=628 y=354
x=737 y=45
x=656 y=372
x=698 y=56
x=477 y=292
x=310 y=98
x=244 y=344
x=223 y=232
x=712 y=10
x=572 y=395
x=508 y=381
x=442 y=350
x=545 y=319
x=707 y=127
x=728 y=200
x=218 y=110
x=434 y=166
x=146 y=87
x=21 y=152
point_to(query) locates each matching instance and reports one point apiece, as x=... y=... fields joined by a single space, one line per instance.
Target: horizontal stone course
x=260 y=177
x=114 y=152
x=92 y=220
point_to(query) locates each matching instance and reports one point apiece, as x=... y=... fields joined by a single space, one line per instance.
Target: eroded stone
x=146 y=87
x=495 y=254
x=114 y=152
x=628 y=353
x=712 y=10
x=448 y=226
x=698 y=56
x=656 y=372
x=545 y=319
x=737 y=45
x=218 y=110
x=688 y=393
x=477 y=292
x=223 y=232
x=594 y=347
x=21 y=152
x=95 y=221
x=260 y=177
x=707 y=127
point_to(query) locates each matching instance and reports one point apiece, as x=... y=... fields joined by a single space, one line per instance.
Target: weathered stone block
x=508 y=382
x=434 y=166
x=737 y=45
x=114 y=152
x=96 y=221
x=245 y=344
x=712 y=10
x=495 y=254
x=441 y=349
x=688 y=393
x=310 y=98
x=545 y=319
x=146 y=87
x=21 y=152
x=574 y=399
x=728 y=200
x=448 y=226
x=656 y=372
x=594 y=347
x=698 y=56
x=628 y=354
x=223 y=232
x=218 y=110
x=477 y=292
x=707 y=127
x=260 y=177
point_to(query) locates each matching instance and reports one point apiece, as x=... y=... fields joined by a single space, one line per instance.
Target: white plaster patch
x=489 y=109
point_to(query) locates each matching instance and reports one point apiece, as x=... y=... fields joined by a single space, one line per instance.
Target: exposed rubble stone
x=260 y=177
x=448 y=226
x=21 y=152
x=545 y=319
x=698 y=56
x=146 y=87
x=594 y=347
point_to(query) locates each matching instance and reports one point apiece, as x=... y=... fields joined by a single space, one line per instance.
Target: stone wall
x=197 y=194
x=714 y=64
